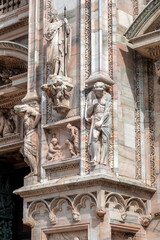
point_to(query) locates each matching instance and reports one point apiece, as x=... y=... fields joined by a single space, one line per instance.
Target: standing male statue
x=98 y=115
x=58 y=36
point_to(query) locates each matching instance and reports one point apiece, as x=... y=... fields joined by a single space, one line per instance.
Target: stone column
x=34 y=53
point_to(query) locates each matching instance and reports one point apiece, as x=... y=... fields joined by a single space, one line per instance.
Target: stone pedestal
x=101 y=169
x=32 y=180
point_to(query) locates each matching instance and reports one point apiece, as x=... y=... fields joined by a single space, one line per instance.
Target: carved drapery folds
x=31 y=115
x=97 y=113
x=59 y=85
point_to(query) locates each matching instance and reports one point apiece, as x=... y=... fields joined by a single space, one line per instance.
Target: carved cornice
x=152 y=7
x=8 y=45
x=85 y=181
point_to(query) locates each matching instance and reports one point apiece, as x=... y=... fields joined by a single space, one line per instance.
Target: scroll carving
x=31 y=115
x=98 y=114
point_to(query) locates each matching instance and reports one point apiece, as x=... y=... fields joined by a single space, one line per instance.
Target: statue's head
x=53 y=16
x=54 y=141
x=69 y=126
x=21 y=109
x=99 y=88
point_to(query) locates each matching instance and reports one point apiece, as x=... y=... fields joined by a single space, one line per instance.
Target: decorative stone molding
x=125 y=206
x=50 y=208
x=152 y=7
x=145 y=220
x=47 y=210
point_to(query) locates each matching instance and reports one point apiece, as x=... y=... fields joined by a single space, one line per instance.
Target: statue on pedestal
x=58 y=36
x=58 y=86
x=98 y=114
x=31 y=115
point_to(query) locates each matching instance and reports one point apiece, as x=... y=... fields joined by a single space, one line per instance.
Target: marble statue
x=58 y=36
x=54 y=152
x=97 y=113
x=57 y=90
x=31 y=115
x=7 y=123
x=73 y=142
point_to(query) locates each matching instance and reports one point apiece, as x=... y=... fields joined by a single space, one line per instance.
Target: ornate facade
x=79 y=120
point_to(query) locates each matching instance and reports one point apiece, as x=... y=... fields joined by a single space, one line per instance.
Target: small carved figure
x=31 y=115
x=74 y=141
x=7 y=123
x=54 y=152
x=57 y=90
x=58 y=37
x=98 y=114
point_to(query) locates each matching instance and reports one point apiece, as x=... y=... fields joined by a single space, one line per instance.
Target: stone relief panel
x=63 y=143
x=75 y=235
x=31 y=116
x=97 y=113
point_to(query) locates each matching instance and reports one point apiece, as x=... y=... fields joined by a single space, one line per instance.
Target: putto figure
x=54 y=152
x=31 y=115
x=98 y=114
x=58 y=36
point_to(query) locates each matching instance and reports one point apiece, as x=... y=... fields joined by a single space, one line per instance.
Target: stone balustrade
x=9 y=5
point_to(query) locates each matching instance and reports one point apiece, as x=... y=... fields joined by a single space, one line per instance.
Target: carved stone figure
x=57 y=90
x=31 y=115
x=98 y=114
x=7 y=123
x=54 y=152
x=58 y=36
x=73 y=142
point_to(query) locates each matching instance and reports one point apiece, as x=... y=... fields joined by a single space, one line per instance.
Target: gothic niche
x=9 y=67
x=98 y=115
x=7 y=123
x=59 y=85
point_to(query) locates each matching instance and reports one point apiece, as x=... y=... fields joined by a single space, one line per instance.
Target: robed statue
x=58 y=36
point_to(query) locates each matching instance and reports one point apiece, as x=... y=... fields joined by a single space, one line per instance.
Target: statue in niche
x=97 y=113
x=7 y=123
x=73 y=142
x=55 y=151
x=58 y=36
x=31 y=115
